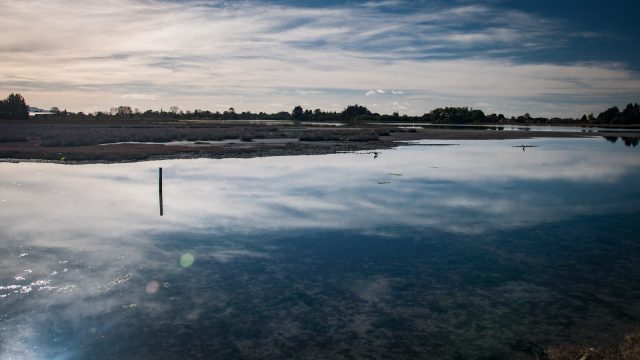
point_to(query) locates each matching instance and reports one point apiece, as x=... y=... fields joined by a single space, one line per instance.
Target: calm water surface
x=477 y=250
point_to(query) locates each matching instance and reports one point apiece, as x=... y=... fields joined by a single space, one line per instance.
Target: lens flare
x=153 y=287
x=186 y=260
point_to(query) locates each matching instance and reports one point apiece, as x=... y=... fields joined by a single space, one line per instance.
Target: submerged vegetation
x=14 y=107
x=628 y=350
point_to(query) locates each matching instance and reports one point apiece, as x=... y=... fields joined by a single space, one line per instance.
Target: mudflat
x=118 y=141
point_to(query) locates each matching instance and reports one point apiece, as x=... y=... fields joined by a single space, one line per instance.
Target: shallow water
x=474 y=250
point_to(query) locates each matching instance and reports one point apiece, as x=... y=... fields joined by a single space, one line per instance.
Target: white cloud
x=140 y=96
x=90 y=56
x=488 y=36
x=375 y=92
x=384 y=3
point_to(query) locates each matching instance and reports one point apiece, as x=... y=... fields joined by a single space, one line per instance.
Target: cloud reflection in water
x=77 y=239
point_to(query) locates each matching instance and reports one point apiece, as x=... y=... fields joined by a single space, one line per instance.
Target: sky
x=546 y=58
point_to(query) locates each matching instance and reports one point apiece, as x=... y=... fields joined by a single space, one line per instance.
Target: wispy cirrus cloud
x=256 y=55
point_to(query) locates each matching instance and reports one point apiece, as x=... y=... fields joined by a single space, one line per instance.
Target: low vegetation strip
x=15 y=107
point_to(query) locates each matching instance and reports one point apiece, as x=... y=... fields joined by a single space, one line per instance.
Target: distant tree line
x=463 y=115
x=630 y=115
x=14 y=107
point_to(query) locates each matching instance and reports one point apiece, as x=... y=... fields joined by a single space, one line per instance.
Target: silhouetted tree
x=14 y=107
x=297 y=113
x=453 y=115
x=124 y=110
x=631 y=114
x=307 y=115
x=354 y=113
x=609 y=116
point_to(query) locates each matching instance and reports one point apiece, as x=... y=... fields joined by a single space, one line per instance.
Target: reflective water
x=552 y=128
x=477 y=250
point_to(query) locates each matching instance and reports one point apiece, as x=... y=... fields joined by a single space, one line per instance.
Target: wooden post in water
x=160 y=190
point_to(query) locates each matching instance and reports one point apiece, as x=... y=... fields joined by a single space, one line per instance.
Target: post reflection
x=160 y=191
